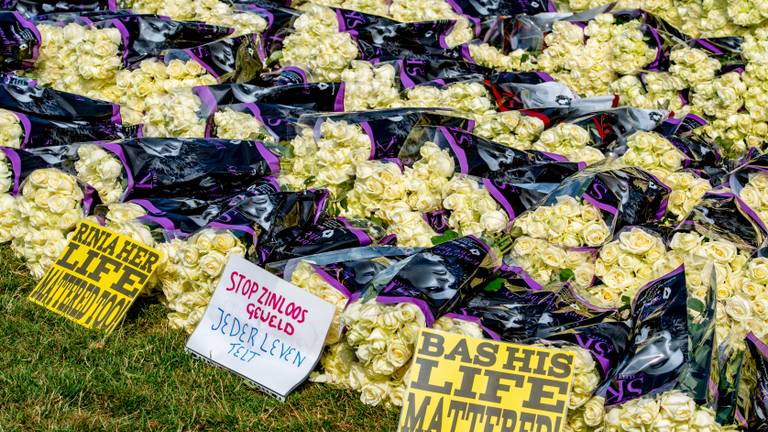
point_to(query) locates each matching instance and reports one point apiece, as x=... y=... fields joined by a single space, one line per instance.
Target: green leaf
x=445 y=237
x=494 y=285
x=696 y=304
x=566 y=275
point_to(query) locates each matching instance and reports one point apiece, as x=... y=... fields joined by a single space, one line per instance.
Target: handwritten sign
x=96 y=278
x=262 y=328
x=466 y=384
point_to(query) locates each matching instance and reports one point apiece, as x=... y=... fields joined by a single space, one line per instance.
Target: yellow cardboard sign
x=465 y=384
x=96 y=278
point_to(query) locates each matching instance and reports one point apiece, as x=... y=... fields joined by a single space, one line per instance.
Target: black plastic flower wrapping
x=20 y=42
x=52 y=104
x=190 y=167
x=757 y=419
x=659 y=347
x=310 y=96
x=436 y=279
x=37 y=131
x=40 y=7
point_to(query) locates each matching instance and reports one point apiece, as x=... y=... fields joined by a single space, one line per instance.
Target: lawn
x=57 y=376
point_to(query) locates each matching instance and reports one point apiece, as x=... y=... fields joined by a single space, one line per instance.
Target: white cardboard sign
x=262 y=328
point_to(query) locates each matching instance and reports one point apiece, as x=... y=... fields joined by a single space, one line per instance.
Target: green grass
x=55 y=375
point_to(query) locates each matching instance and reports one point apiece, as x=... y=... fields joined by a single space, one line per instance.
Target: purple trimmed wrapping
x=625 y=196
x=510 y=313
x=13 y=157
x=385 y=42
x=351 y=276
x=56 y=105
x=757 y=417
x=437 y=220
x=38 y=7
x=195 y=168
x=485 y=8
x=606 y=341
x=41 y=132
x=724 y=215
x=180 y=217
x=20 y=42
x=438 y=278
x=325 y=236
x=310 y=96
x=659 y=349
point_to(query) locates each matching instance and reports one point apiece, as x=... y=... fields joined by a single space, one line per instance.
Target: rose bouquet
x=571 y=141
x=231 y=124
x=317 y=45
x=102 y=170
x=545 y=262
x=369 y=86
x=209 y=11
x=626 y=264
x=148 y=92
x=568 y=222
x=687 y=191
x=190 y=272
x=586 y=208
x=510 y=128
x=340 y=277
x=653 y=153
x=51 y=204
x=740 y=283
x=381 y=332
x=588 y=59
x=464 y=97
x=79 y=59
x=670 y=410
x=328 y=161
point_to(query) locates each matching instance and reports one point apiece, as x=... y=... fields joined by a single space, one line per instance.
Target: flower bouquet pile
x=592 y=183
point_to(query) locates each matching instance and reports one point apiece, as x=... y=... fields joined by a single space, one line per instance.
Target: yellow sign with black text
x=462 y=384
x=96 y=278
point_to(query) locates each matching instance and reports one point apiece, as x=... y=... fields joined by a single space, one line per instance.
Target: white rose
x=636 y=241
x=595 y=234
x=494 y=221
x=373 y=393
x=685 y=241
x=738 y=308
x=678 y=406
x=721 y=251
x=594 y=410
